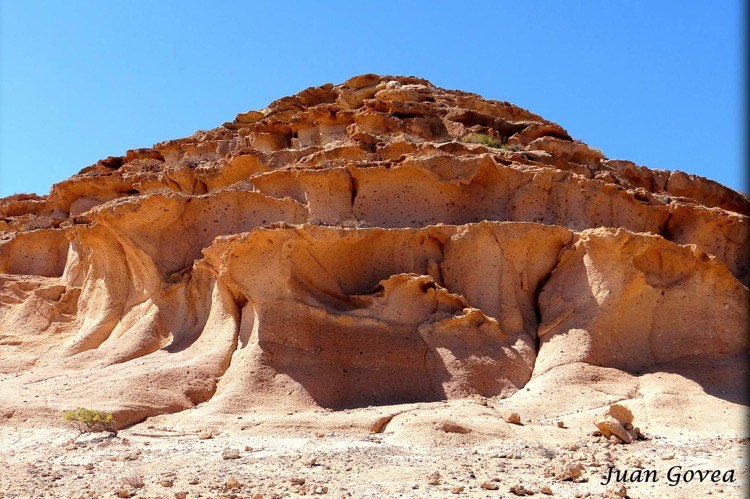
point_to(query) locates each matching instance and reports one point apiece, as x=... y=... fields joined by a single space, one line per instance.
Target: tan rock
x=592 y=290
x=205 y=434
x=230 y=454
x=564 y=470
x=232 y=483
x=378 y=242
x=610 y=427
x=622 y=414
x=520 y=490
x=512 y=417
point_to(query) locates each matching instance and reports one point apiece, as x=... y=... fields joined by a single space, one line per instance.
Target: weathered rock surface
x=378 y=242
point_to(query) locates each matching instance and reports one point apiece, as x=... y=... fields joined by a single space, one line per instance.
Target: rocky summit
x=385 y=257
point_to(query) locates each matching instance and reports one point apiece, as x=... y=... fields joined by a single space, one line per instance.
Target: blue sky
x=656 y=82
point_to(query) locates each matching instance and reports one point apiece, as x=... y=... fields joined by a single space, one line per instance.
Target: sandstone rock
x=230 y=454
x=353 y=246
x=622 y=414
x=621 y=491
x=512 y=417
x=613 y=428
x=564 y=469
x=661 y=298
x=617 y=425
x=205 y=434
x=232 y=483
x=249 y=117
x=520 y=490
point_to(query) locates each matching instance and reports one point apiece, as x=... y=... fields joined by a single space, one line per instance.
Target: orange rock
x=348 y=246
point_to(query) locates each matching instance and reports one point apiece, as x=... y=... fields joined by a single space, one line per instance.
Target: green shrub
x=481 y=138
x=511 y=147
x=90 y=420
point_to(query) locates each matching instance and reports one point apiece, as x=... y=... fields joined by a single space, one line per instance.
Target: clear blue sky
x=656 y=82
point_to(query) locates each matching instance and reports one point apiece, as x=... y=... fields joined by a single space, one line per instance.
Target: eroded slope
x=378 y=242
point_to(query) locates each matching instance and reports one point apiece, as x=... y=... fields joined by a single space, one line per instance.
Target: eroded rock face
x=617 y=299
x=386 y=316
x=377 y=242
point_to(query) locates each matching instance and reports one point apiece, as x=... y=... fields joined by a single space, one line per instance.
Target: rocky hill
x=360 y=246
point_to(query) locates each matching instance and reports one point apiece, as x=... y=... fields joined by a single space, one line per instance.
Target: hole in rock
x=40 y=252
x=346 y=364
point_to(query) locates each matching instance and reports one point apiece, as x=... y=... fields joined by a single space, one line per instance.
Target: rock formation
x=378 y=242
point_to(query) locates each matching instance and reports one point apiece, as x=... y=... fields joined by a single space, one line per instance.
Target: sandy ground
x=264 y=459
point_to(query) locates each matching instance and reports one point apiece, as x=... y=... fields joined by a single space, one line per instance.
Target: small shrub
x=40 y=222
x=355 y=224
x=134 y=481
x=320 y=222
x=481 y=138
x=90 y=421
x=347 y=224
x=511 y=147
x=189 y=162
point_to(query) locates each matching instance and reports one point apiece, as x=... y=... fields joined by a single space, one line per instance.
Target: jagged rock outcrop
x=376 y=242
